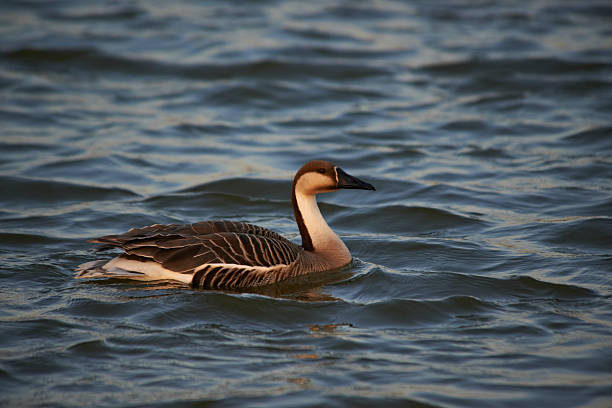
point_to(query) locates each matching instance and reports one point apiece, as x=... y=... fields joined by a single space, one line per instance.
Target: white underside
x=131 y=269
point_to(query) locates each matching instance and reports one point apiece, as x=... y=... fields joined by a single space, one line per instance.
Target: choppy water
x=482 y=263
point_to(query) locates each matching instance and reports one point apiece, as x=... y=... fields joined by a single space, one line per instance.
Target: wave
x=18 y=240
x=106 y=15
x=382 y=283
x=405 y=219
x=535 y=65
x=406 y=301
x=272 y=189
x=599 y=137
x=487 y=152
x=110 y=169
x=18 y=191
x=590 y=234
x=550 y=77
x=92 y=59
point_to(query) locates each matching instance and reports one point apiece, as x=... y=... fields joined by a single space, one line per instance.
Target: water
x=482 y=262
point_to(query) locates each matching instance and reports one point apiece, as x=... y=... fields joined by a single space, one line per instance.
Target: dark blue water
x=482 y=263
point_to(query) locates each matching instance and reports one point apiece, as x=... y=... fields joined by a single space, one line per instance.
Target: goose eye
x=322 y=171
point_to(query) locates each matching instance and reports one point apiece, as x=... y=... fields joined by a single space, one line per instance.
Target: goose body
x=234 y=255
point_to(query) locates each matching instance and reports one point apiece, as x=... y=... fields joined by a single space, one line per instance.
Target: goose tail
x=100 y=269
x=125 y=268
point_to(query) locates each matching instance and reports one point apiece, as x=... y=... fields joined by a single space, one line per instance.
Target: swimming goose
x=234 y=255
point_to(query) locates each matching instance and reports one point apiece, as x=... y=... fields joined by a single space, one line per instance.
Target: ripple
x=547 y=66
x=466 y=125
x=270 y=189
x=18 y=240
x=406 y=219
x=100 y=309
x=593 y=233
x=487 y=153
x=102 y=170
x=97 y=349
x=596 y=138
x=39 y=192
x=92 y=59
x=114 y=13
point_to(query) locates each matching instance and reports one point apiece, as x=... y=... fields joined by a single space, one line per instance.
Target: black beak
x=347 y=181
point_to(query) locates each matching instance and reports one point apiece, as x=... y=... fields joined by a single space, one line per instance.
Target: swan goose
x=234 y=255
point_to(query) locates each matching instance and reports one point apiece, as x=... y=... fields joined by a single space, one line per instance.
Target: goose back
x=219 y=254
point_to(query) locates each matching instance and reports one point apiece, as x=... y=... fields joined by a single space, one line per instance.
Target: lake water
x=482 y=263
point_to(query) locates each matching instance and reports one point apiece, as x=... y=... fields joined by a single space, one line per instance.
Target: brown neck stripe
x=306 y=240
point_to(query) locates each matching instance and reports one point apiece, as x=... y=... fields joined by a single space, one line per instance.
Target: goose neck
x=316 y=234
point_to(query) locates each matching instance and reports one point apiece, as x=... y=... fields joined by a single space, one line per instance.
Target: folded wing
x=218 y=253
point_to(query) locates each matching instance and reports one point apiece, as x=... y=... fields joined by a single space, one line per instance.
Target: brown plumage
x=185 y=248
x=233 y=255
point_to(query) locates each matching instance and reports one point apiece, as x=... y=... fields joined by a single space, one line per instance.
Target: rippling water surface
x=482 y=263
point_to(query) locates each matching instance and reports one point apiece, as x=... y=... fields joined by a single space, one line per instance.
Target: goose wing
x=210 y=247
x=182 y=230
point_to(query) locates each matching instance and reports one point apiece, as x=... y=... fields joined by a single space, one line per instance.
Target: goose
x=228 y=255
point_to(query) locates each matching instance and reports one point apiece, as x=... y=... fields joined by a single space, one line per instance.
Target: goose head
x=320 y=176
x=316 y=177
